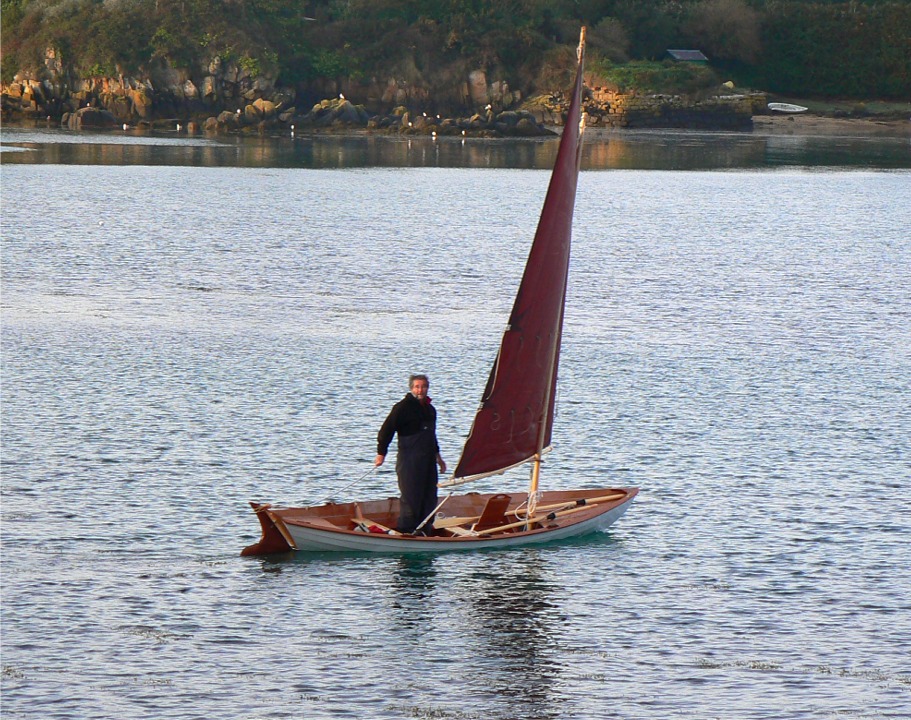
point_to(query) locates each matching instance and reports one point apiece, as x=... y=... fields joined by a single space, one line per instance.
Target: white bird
x=341 y=97
x=125 y=126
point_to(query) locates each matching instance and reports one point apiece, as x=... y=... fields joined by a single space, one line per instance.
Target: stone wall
x=609 y=108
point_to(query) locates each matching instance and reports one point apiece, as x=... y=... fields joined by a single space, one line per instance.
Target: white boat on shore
x=786 y=107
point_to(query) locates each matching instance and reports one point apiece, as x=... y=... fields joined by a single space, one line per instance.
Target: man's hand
x=379 y=460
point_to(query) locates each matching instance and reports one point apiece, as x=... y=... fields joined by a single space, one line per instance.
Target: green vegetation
x=650 y=76
x=822 y=48
x=864 y=50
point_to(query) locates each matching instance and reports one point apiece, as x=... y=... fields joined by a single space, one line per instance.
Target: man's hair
x=412 y=378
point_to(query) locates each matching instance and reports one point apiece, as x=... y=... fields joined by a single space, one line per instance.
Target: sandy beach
x=807 y=124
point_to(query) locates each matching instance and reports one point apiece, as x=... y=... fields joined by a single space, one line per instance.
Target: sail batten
x=521 y=385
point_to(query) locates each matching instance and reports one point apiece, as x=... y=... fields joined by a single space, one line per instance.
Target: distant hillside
x=428 y=50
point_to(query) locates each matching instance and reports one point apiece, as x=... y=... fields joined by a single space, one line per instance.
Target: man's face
x=419 y=389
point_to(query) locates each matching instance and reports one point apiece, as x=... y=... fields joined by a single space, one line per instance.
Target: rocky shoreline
x=229 y=101
x=488 y=124
x=225 y=97
x=228 y=97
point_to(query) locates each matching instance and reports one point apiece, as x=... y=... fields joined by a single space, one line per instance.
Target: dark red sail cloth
x=515 y=419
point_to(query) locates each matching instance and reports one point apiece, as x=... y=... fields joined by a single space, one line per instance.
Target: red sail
x=515 y=419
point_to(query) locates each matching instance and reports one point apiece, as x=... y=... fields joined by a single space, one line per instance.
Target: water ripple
x=736 y=345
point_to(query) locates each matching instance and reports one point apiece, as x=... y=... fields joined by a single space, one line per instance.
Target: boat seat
x=494 y=513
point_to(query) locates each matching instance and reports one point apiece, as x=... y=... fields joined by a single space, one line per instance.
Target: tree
x=725 y=30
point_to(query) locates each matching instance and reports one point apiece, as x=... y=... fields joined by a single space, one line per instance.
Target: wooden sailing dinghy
x=512 y=427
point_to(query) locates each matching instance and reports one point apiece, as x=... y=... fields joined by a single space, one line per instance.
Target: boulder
x=266 y=108
x=228 y=120
x=90 y=117
x=527 y=127
x=165 y=78
x=477 y=87
x=142 y=101
x=209 y=91
x=508 y=118
x=190 y=92
x=345 y=112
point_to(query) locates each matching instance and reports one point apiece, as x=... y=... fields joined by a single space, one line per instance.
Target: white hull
x=308 y=539
x=786 y=107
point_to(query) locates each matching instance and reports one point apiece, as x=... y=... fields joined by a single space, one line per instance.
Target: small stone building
x=693 y=56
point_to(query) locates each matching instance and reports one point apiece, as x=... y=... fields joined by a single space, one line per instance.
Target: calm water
x=615 y=150
x=184 y=332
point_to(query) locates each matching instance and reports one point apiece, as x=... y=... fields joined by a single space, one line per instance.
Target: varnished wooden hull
x=360 y=527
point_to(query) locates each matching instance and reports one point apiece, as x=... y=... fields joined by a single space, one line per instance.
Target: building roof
x=688 y=55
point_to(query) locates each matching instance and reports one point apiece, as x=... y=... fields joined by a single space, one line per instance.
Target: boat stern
x=275 y=537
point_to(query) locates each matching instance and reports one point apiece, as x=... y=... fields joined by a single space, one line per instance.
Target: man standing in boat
x=415 y=421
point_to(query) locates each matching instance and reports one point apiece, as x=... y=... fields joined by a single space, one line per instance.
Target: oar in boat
x=445 y=523
x=549 y=516
x=432 y=513
x=352 y=483
x=559 y=510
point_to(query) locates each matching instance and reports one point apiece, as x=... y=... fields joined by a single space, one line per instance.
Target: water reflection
x=516 y=624
x=503 y=612
x=413 y=584
x=655 y=149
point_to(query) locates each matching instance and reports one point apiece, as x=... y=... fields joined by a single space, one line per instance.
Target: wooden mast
x=532 y=505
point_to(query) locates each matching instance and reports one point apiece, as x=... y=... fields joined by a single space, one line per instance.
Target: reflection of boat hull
x=360 y=527
x=786 y=107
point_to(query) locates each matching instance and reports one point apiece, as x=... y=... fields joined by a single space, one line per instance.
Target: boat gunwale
x=322 y=524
